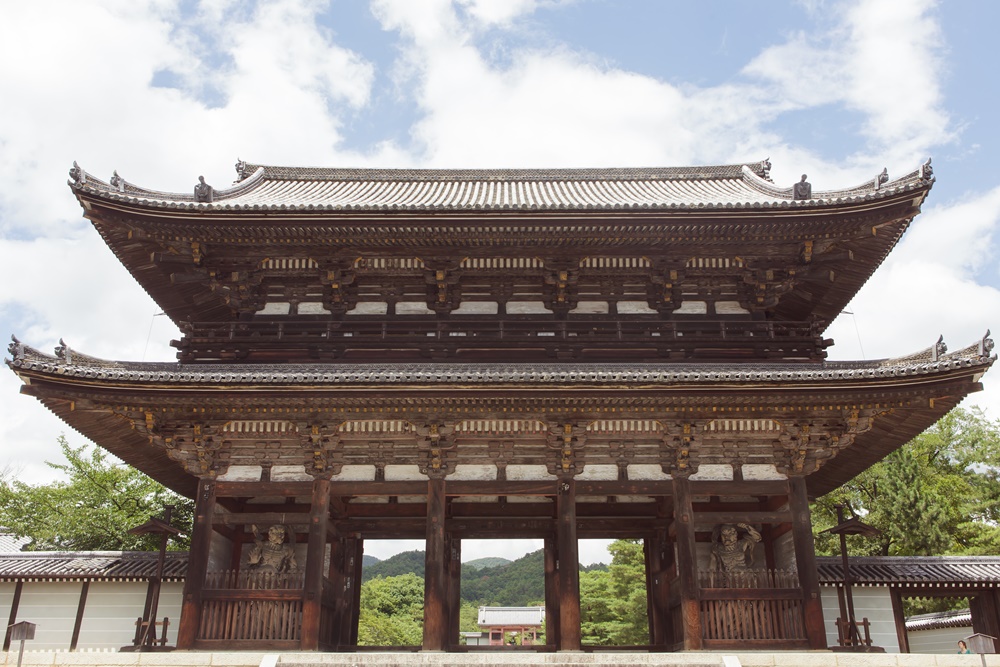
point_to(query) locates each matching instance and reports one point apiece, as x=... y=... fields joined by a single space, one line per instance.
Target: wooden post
x=647 y=561
x=13 y=614
x=658 y=590
x=337 y=582
x=551 y=594
x=805 y=560
x=435 y=576
x=899 y=617
x=347 y=636
x=201 y=542
x=454 y=589
x=79 y=616
x=569 y=567
x=357 y=560
x=687 y=568
x=312 y=593
x=986 y=613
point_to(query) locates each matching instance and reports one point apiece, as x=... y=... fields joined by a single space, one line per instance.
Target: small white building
x=511 y=625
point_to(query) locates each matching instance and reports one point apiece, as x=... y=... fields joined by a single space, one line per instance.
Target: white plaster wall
x=113 y=607
x=871 y=602
x=942 y=640
x=108 y=618
x=51 y=606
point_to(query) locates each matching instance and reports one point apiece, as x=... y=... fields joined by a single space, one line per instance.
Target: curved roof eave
x=72 y=367
x=728 y=188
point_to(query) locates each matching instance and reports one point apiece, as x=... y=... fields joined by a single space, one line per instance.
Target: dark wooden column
x=348 y=628
x=435 y=575
x=805 y=560
x=658 y=559
x=312 y=594
x=899 y=617
x=986 y=613
x=357 y=561
x=568 y=567
x=80 y=607
x=551 y=593
x=12 y=619
x=454 y=589
x=201 y=542
x=337 y=582
x=687 y=567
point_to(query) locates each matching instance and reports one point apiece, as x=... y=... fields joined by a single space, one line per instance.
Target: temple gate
x=446 y=355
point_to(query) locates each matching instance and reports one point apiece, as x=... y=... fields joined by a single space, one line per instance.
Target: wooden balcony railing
x=568 y=338
x=751 y=606
x=252 y=606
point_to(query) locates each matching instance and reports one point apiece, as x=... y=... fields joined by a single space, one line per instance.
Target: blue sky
x=165 y=90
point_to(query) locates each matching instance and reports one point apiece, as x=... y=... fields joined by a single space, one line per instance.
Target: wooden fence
x=251 y=606
x=751 y=606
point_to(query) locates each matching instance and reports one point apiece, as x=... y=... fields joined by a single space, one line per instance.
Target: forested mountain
x=480 y=563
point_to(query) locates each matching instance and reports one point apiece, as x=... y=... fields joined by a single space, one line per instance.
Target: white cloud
x=883 y=58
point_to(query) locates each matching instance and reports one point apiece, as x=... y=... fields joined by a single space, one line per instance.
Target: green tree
x=613 y=601
x=93 y=508
x=938 y=494
x=392 y=611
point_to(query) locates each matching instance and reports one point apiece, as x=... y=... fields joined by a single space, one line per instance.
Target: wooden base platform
x=493 y=659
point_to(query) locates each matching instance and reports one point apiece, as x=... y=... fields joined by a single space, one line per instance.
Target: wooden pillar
x=687 y=567
x=568 y=567
x=357 y=561
x=347 y=627
x=12 y=619
x=658 y=589
x=899 y=617
x=312 y=593
x=201 y=542
x=435 y=575
x=80 y=607
x=805 y=560
x=454 y=589
x=551 y=554
x=337 y=584
x=986 y=614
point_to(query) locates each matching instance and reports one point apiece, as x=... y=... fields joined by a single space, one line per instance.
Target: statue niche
x=731 y=552
x=273 y=555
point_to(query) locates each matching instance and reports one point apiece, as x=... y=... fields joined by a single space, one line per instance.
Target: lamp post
x=163 y=528
x=852 y=526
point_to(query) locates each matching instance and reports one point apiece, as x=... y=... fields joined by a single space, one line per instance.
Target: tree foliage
x=613 y=601
x=93 y=508
x=392 y=611
x=939 y=494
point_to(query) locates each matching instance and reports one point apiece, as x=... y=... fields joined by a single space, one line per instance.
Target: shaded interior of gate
x=689 y=604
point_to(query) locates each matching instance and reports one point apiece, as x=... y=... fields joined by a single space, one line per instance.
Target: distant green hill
x=480 y=563
x=401 y=563
x=485 y=581
x=367 y=560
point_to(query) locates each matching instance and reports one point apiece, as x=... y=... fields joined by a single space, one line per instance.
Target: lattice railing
x=751 y=605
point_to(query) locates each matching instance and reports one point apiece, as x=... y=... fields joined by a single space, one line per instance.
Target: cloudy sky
x=165 y=90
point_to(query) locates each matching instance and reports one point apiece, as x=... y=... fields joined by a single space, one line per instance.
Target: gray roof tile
x=293 y=188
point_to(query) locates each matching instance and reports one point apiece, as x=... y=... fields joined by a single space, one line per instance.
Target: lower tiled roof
x=939 y=620
x=90 y=565
x=913 y=571
x=72 y=364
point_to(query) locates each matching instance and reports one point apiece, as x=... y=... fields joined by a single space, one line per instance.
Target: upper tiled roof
x=70 y=364
x=100 y=565
x=306 y=189
x=913 y=571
